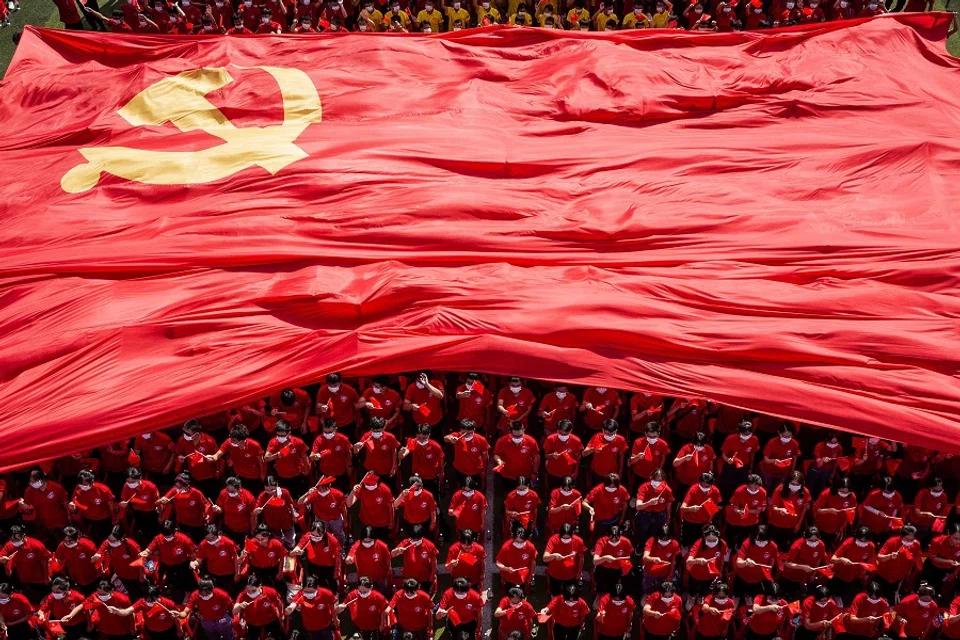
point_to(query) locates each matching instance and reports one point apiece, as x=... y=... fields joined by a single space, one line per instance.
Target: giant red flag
x=767 y=220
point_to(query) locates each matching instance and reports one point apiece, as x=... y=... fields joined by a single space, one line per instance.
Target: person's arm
x=73 y=614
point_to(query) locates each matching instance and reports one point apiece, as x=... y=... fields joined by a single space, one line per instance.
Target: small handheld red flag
x=859 y=444
x=892 y=466
x=424 y=410
x=939 y=524
x=626 y=566
x=711 y=508
x=794 y=607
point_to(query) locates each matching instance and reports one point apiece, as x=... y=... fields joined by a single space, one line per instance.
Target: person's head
x=70 y=536
x=926 y=594
x=564 y=427
x=953 y=531
x=283 y=430
x=318 y=531
x=191 y=428
x=239 y=432
x=570 y=593
x=85 y=480
x=182 y=481
x=168 y=529
x=333 y=382
x=821 y=594
x=287 y=396
x=610 y=428
x=516 y=431
x=515 y=594
x=262 y=534
x=861 y=537
x=116 y=14
x=611 y=482
x=793 y=483
x=17 y=535
x=908 y=534
x=706 y=480
x=254 y=586
x=523 y=485
x=812 y=536
x=785 y=430
x=746 y=427
x=467 y=537
x=652 y=431
x=461 y=586
x=410 y=586
x=721 y=591
x=560 y=389
x=377 y=426
x=271 y=484
x=619 y=593
x=134 y=477
x=153 y=593
x=519 y=536
x=116 y=536
x=566 y=532
x=567 y=485
x=468 y=427
x=842 y=487
x=874 y=591
x=234 y=485
x=381 y=382
x=472 y=378
x=771 y=590
x=935 y=484
x=37 y=478
x=667 y=590
x=104 y=590
x=699 y=440
x=515 y=383
x=469 y=485
x=416 y=533
x=416 y=483
x=458 y=25
x=207 y=23
x=664 y=535
x=364 y=585
x=211 y=533
x=329 y=428
x=831 y=439
x=657 y=478
x=423 y=433
x=611 y=24
x=711 y=536
x=238 y=24
x=310 y=588
x=754 y=483
x=615 y=533
x=60 y=587
x=368 y=536
x=761 y=535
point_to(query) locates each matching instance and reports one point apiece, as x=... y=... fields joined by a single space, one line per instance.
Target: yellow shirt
x=603 y=18
x=631 y=21
x=435 y=18
x=525 y=20
x=404 y=19
x=660 y=20
x=457 y=14
x=542 y=17
x=377 y=19
x=512 y=7
x=574 y=16
x=483 y=13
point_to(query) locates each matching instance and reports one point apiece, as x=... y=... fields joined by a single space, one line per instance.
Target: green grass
x=43 y=13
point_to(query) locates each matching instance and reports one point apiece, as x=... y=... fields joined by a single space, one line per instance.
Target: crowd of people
x=227 y=17
x=406 y=504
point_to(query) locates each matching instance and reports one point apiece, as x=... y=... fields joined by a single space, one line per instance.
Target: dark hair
x=566 y=529
x=377 y=423
x=410 y=585
x=460 y=585
x=334 y=378
x=565 y=425
x=239 y=432
x=821 y=592
x=253 y=581
x=168 y=528
x=467 y=425
x=467 y=536
x=364 y=582
x=610 y=425
x=706 y=477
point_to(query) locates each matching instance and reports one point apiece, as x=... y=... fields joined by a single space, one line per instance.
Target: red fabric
x=214 y=608
x=413 y=614
x=419 y=560
x=241 y=291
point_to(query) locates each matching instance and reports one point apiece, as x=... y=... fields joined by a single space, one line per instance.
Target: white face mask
x=925 y=603
x=521 y=491
x=253 y=594
x=783 y=439
x=265 y=19
x=667 y=597
x=368 y=543
x=655 y=483
x=664 y=543
x=560 y=394
x=460 y=596
x=834 y=445
x=873 y=440
x=309 y=595
x=698 y=447
x=59 y=596
x=376 y=388
x=282 y=438
x=377 y=434
x=711 y=544
x=468 y=437
x=519 y=544
x=369 y=487
x=468 y=492
x=794 y=487
x=566 y=492
x=206 y=596
x=333 y=387
x=936 y=494
x=316 y=538
x=114 y=544
x=36 y=485
x=84 y=487
x=69 y=545
x=169 y=538
x=189 y=436
x=515 y=389
x=843 y=493
x=609 y=436
x=456 y=6
x=601 y=390
x=888 y=494
x=17 y=543
x=563 y=437
x=517 y=440
x=104 y=598
x=147 y=436
x=812 y=543
x=720 y=600
x=232 y=493
x=420 y=385
x=744 y=437
x=652 y=440
x=363 y=594
x=862 y=543
x=611 y=489
x=873 y=600
x=761 y=543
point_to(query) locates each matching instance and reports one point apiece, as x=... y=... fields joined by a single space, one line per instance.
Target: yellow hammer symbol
x=181 y=100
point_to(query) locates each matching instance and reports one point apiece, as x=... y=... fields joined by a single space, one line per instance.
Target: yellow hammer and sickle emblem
x=181 y=100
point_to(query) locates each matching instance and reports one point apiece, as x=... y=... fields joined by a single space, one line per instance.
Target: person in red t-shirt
x=278 y=511
x=419 y=506
x=569 y=612
x=45 y=502
x=931 y=504
x=376 y=505
x=261 y=608
x=515 y=455
x=372 y=559
x=264 y=556
x=562 y=451
x=564 y=558
x=462 y=608
x=159 y=614
x=515 y=614
x=367 y=609
x=471 y=452
x=615 y=614
x=419 y=558
x=599 y=405
x=881 y=507
x=317 y=607
x=93 y=501
x=320 y=551
x=816 y=614
x=175 y=552
x=648 y=453
x=608 y=450
x=245 y=456
x=328 y=505
x=338 y=400
x=698 y=508
x=854 y=560
x=334 y=454
x=897 y=560
x=192 y=450
x=944 y=556
x=557 y=407
x=80 y=560
x=644 y=409
x=565 y=506
x=138 y=502
x=292 y=405
x=426 y=458
x=694 y=458
x=413 y=608
x=737 y=453
x=918 y=612
x=424 y=400
x=607 y=504
x=686 y=417
x=239 y=28
x=474 y=401
x=113 y=612
x=801 y=562
x=289 y=455
x=514 y=404
x=236 y=505
x=754 y=563
x=746 y=506
x=661 y=613
x=659 y=560
x=612 y=559
x=769 y=613
x=654 y=504
x=380 y=448
x=521 y=507
x=380 y=401
x=66 y=605
x=517 y=560
x=213 y=607
x=866 y=613
x=779 y=457
x=468 y=507
x=834 y=511
x=118 y=555
x=190 y=506
x=28 y=561
x=217 y=557
x=157 y=452
x=713 y=620
x=788 y=508
x=465 y=559
x=704 y=562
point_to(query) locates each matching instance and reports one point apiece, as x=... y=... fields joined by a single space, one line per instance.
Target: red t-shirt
x=373 y=561
x=701 y=571
x=419 y=560
x=216 y=607
x=786 y=452
x=318 y=612
x=568 y=614
x=654 y=455
x=699 y=496
x=766 y=556
x=608 y=504
x=670 y=610
x=193 y=452
x=376 y=506
x=605 y=406
x=426 y=459
x=417 y=508
x=110 y=624
x=607 y=454
x=942 y=547
x=155 y=616
x=155 y=450
x=172 y=552
x=622 y=550
x=329 y=506
x=423 y=397
x=528 y=503
x=54 y=609
x=95 y=503
x=516 y=404
x=469 y=511
x=264 y=609
x=891 y=506
x=571 y=515
x=366 y=613
x=666 y=552
x=379 y=453
x=268 y=556
x=557 y=409
x=236 y=509
x=385 y=403
x=743 y=451
x=830 y=522
x=295 y=413
x=562 y=465
x=220 y=557
x=17 y=607
x=650 y=408
x=468 y=609
x=688 y=419
x=713 y=625
x=746 y=506
x=899 y=567
x=143 y=497
x=292 y=459
x=278 y=510
x=472 y=571
x=516 y=558
x=518 y=457
x=121 y=557
x=324 y=552
x=928 y=503
x=862 y=607
x=343 y=401
x=802 y=553
x=614 y=617
x=468 y=455
x=78 y=561
x=49 y=504
x=919 y=617
x=518 y=617
x=28 y=562
x=570 y=567
x=413 y=614
x=245 y=458
x=476 y=407
x=865 y=555
x=190 y=506
x=336 y=453
x=769 y=621
x=951 y=629
x=662 y=495
x=798 y=501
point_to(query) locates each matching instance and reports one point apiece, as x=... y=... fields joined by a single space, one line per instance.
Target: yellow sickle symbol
x=181 y=101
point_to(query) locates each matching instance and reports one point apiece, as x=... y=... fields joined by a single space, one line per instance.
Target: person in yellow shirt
x=603 y=14
x=457 y=12
x=575 y=15
x=431 y=15
x=636 y=19
x=370 y=16
x=485 y=9
x=395 y=14
x=547 y=13
x=521 y=17
x=661 y=18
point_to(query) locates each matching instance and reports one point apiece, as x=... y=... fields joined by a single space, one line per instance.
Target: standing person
x=27 y=561
x=317 y=607
x=704 y=563
x=321 y=552
x=801 y=562
x=190 y=506
x=694 y=459
x=521 y=507
x=380 y=401
x=465 y=559
x=897 y=560
x=516 y=455
x=157 y=452
x=607 y=504
x=611 y=555
x=918 y=612
x=698 y=508
x=15 y=614
x=853 y=562
x=779 y=457
x=559 y=406
x=515 y=614
x=569 y=612
x=471 y=453
x=816 y=614
x=659 y=560
x=379 y=448
x=608 y=450
x=138 y=501
x=333 y=453
x=289 y=456
x=44 y=505
x=517 y=561
x=713 y=621
x=654 y=503
x=192 y=450
x=474 y=402
x=376 y=505
x=213 y=607
x=113 y=620
x=881 y=508
x=80 y=560
x=866 y=613
x=769 y=613
x=118 y=555
x=649 y=453
x=737 y=453
x=260 y=608
x=66 y=605
x=93 y=502
x=159 y=615
x=562 y=452
x=599 y=405
x=788 y=508
x=419 y=559
x=834 y=511
x=514 y=404
x=426 y=460
x=462 y=607
x=236 y=506
x=217 y=556
x=293 y=405
x=328 y=506
x=245 y=456
x=661 y=613
x=754 y=564
x=615 y=614
x=424 y=398
x=264 y=556
x=564 y=507
x=367 y=610
x=644 y=409
x=412 y=607
x=746 y=506
x=372 y=559
x=564 y=559
x=278 y=511
x=338 y=400
x=468 y=508
x=175 y=551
